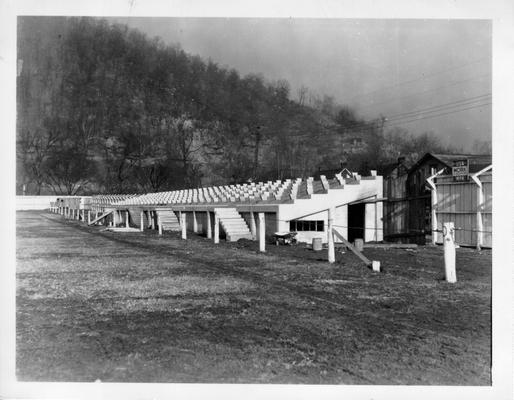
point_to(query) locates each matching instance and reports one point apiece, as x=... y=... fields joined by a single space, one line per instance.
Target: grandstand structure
x=239 y=211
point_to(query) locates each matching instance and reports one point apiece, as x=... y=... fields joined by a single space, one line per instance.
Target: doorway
x=356 y=214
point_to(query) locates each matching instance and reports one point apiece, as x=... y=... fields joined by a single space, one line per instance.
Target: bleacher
x=272 y=192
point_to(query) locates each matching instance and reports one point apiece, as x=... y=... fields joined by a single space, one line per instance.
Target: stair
x=169 y=220
x=233 y=224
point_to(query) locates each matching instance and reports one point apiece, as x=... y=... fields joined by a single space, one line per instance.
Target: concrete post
x=142 y=221
x=216 y=229
x=183 y=224
x=126 y=219
x=331 y=249
x=159 y=223
x=209 y=228
x=195 y=223
x=262 y=233
x=449 y=253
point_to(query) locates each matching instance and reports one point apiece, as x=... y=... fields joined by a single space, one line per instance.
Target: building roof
x=477 y=162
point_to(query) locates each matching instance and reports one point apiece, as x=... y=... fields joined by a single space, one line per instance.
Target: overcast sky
x=391 y=67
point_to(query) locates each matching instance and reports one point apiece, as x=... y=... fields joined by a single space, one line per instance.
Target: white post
x=216 y=229
x=331 y=250
x=449 y=253
x=262 y=233
x=88 y=217
x=142 y=221
x=480 y=222
x=430 y=181
x=434 y=215
x=209 y=228
x=480 y=206
x=195 y=223
x=159 y=223
x=184 y=225
x=126 y=219
x=253 y=228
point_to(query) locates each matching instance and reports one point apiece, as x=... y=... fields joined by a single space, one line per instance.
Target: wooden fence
x=468 y=205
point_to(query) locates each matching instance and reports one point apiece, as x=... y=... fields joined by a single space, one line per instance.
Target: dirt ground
x=139 y=307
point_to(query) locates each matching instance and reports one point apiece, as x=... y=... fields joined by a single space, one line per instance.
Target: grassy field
x=138 y=307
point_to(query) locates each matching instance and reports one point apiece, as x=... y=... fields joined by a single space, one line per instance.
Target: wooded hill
x=104 y=108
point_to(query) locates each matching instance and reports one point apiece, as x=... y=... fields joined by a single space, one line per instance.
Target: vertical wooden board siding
x=488 y=228
x=395 y=213
x=201 y=222
x=135 y=217
x=488 y=196
x=271 y=223
x=457 y=202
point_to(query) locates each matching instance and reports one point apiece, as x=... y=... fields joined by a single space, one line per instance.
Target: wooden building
x=408 y=210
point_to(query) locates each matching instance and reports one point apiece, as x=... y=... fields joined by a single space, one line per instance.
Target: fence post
x=331 y=250
x=142 y=221
x=89 y=217
x=216 y=229
x=159 y=223
x=126 y=219
x=449 y=253
x=262 y=233
x=209 y=228
x=184 y=225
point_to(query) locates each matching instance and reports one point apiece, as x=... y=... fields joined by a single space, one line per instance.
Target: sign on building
x=460 y=170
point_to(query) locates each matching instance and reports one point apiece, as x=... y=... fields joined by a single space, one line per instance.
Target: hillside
x=104 y=108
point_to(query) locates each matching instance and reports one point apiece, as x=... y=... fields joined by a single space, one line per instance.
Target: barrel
x=317 y=244
x=359 y=244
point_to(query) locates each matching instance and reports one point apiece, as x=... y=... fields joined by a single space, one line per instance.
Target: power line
x=480 y=60
x=439 y=115
x=406 y=118
x=371 y=105
x=440 y=107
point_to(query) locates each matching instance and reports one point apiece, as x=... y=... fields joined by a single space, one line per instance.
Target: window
x=304 y=226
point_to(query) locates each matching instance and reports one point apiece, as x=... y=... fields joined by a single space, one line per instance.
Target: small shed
x=408 y=210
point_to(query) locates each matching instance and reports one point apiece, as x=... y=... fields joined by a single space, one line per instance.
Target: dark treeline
x=103 y=108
